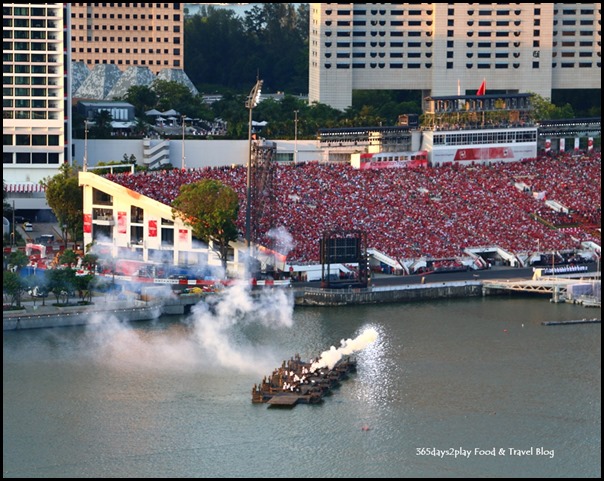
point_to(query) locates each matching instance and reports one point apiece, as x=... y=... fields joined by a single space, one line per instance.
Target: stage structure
x=262 y=193
x=348 y=248
x=478 y=110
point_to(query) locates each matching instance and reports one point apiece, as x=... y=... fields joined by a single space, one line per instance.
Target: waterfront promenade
x=35 y=315
x=383 y=289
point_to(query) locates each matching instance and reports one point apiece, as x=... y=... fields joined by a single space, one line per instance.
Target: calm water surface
x=172 y=398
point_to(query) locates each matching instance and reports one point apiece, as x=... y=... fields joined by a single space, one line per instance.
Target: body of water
x=454 y=388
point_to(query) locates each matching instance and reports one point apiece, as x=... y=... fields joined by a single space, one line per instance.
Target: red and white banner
x=576 y=144
x=590 y=144
x=87 y=223
x=562 y=145
x=121 y=223
x=484 y=153
x=183 y=235
x=548 y=145
x=152 y=228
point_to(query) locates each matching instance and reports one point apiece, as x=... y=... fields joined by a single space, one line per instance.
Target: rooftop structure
x=99 y=82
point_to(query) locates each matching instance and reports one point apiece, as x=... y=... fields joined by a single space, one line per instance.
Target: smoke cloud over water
x=330 y=357
x=211 y=338
x=215 y=322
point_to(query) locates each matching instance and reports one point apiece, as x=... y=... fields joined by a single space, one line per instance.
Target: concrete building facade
x=128 y=35
x=450 y=48
x=36 y=97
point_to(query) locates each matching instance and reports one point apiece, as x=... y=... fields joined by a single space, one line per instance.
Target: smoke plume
x=330 y=357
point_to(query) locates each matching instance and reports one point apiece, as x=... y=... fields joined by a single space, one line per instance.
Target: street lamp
x=295 y=135
x=182 y=166
x=12 y=234
x=250 y=103
x=85 y=145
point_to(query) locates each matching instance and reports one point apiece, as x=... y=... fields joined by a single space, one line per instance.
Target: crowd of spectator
x=434 y=212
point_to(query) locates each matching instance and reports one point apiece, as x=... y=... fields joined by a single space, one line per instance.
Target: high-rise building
x=128 y=34
x=36 y=97
x=450 y=48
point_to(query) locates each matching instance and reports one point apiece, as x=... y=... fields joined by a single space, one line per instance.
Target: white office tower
x=36 y=98
x=450 y=48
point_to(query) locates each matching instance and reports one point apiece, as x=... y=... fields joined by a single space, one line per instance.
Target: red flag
x=483 y=88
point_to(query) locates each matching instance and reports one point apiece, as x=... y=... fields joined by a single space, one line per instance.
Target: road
x=39 y=229
x=504 y=273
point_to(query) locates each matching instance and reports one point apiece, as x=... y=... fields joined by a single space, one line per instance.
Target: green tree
x=90 y=260
x=61 y=282
x=13 y=285
x=210 y=208
x=102 y=125
x=544 y=109
x=7 y=209
x=173 y=95
x=65 y=198
x=273 y=28
x=270 y=41
x=84 y=285
x=18 y=259
x=142 y=97
x=69 y=257
x=212 y=36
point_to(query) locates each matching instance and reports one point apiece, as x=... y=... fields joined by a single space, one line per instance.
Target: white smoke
x=330 y=357
x=215 y=322
x=284 y=242
x=119 y=346
x=213 y=336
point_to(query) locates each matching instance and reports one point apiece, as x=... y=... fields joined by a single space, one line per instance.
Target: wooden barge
x=294 y=382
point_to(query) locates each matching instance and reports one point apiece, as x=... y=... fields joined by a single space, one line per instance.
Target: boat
x=298 y=382
x=590 y=301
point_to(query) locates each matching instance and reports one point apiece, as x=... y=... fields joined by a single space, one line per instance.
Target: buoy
x=365 y=428
x=505 y=330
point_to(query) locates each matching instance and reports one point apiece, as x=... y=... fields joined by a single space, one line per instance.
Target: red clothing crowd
x=410 y=213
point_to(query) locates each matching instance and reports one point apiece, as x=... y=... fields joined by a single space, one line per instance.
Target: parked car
x=28 y=227
x=47 y=239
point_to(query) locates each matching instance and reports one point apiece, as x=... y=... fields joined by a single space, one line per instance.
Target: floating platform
x=578 y=321
x=295 y=383
x=290 y=400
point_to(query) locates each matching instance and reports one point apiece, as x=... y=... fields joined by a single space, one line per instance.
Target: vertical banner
x=87 y=223
x=183 y=235
x=590 y=144
x=121 y=223
x=576 y=144
x=152 y=228
x=562 y=145
x=548 y=145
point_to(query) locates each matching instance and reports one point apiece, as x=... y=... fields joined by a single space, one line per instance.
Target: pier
x=35 y=317
x=565 y=323
x=558 y=287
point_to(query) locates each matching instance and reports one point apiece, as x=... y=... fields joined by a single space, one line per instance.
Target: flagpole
x=458 y=98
